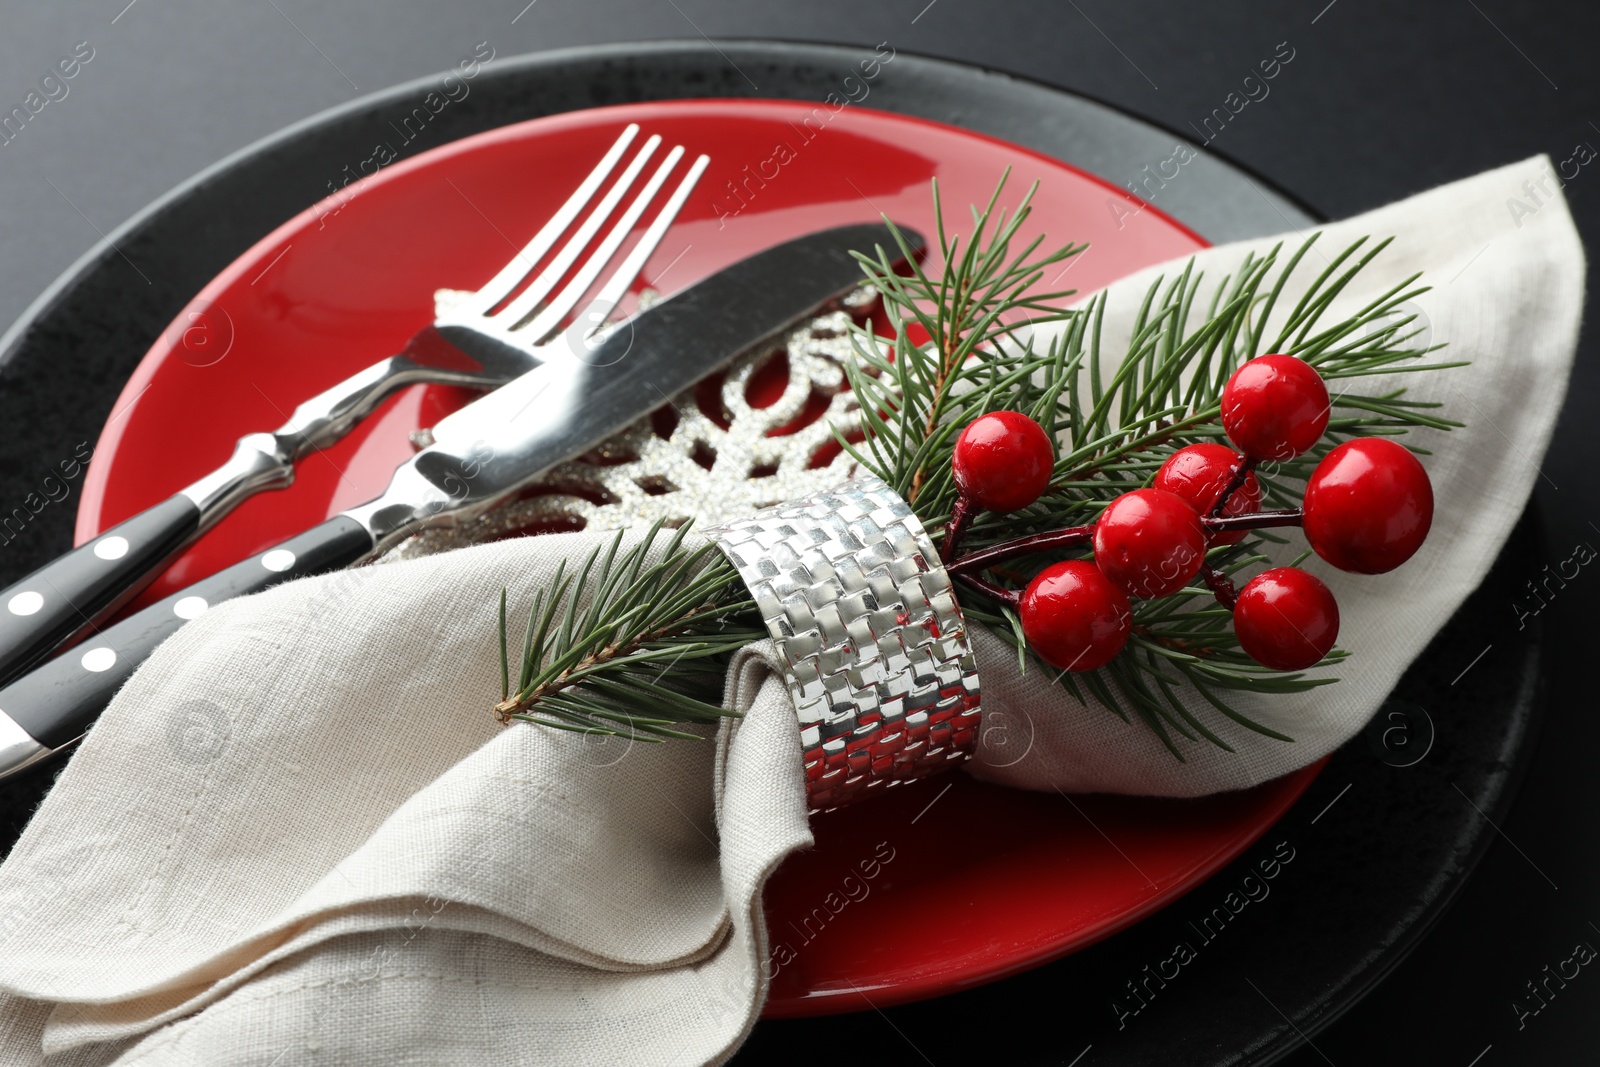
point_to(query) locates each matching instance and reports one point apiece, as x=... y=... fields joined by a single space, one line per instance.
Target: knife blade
x=480 y=455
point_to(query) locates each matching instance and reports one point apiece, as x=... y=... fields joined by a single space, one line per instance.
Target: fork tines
x=532 y=316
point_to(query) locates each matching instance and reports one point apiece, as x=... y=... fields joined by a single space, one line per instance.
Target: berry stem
x=1240 y=473
x=1078 y=536
x=1221 y=586
x=1011 y=597
x=1255 y=520
x=1067 y=537
x=960 y=519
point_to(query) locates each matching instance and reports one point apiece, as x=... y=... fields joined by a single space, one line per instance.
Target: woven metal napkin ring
x=873 y=644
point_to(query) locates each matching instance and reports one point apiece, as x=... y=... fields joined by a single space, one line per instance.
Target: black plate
x=1380 y=844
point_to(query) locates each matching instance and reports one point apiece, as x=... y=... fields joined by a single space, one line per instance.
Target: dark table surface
x=1381 y=101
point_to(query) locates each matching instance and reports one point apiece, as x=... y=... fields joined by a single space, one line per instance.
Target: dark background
x=1381 y=101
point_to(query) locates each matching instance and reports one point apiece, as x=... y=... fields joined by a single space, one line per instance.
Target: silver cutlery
x=480 y=455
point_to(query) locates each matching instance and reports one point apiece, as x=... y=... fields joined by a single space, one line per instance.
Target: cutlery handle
x=56 y=702
x=64 y=597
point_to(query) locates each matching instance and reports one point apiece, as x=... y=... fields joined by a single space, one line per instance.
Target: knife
x=480 y=455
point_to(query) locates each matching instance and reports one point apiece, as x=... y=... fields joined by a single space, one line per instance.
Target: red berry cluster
x=1367 y=509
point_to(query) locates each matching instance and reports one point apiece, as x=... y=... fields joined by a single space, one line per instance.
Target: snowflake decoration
x=682 y=464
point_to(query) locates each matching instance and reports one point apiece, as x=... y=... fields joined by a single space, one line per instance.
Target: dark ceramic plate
x=1360 y=867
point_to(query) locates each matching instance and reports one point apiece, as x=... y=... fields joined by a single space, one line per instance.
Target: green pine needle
x=630 y=644
x=638 y=641
x=1117 y=417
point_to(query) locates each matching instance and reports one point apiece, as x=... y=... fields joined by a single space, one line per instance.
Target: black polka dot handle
x=56 y=702
x=66 y=597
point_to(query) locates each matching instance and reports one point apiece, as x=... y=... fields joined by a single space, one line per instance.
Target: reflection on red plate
x=966 y=885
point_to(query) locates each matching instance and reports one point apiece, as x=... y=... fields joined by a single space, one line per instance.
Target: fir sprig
x=624 y=644
x=1116 y=418
x=985 y=296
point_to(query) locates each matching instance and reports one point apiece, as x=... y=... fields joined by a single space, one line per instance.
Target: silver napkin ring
x=873 y=643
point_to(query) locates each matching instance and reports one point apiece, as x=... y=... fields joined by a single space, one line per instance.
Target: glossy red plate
x=939 y=886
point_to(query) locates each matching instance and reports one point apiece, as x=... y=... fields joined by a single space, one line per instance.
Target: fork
x=473 y=341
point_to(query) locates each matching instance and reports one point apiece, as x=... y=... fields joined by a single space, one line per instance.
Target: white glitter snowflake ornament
x=684 y=463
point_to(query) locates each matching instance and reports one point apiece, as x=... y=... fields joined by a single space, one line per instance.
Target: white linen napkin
x=298 y=835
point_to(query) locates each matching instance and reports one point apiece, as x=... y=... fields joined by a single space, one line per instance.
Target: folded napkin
x=298 y=835
x=1507 y=296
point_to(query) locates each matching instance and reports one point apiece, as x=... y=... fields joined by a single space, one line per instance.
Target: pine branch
x=1117 y=417
x=646 y=650
x=965 y=313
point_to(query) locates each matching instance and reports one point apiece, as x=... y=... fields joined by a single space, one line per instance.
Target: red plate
x=944 y=885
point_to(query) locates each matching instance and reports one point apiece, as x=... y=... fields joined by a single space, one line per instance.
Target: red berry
x=1286 y=619
x=1275 y=407
x=1003 y=461
x=1368 y=506
x=1199 y=474
x=1149 y=542
x=1073 y=617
